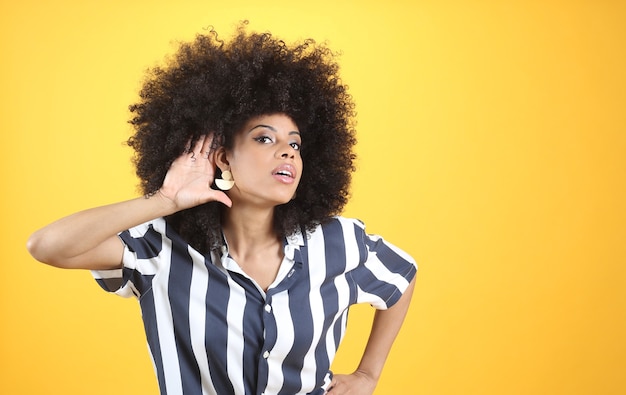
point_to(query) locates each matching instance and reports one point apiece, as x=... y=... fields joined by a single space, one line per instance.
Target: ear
x=221 y=159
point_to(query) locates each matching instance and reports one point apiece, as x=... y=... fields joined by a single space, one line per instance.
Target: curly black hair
x=214 y=86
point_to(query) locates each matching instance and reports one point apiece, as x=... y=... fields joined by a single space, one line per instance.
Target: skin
x=266 y=165
x=266 y=146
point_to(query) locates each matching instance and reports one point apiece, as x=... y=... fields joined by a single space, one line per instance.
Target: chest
x=253 y=304
x=261 y=270
x=211 y=316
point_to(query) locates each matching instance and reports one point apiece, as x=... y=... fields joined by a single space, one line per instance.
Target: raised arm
x=385 y=328
x=88 y=239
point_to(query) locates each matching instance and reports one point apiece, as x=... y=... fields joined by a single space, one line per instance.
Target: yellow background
x=492 y=142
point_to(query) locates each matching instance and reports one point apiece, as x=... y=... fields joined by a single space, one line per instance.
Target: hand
x=357 y=383
x=188 y=181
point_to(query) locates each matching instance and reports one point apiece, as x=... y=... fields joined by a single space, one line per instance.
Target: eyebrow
x=273 y=129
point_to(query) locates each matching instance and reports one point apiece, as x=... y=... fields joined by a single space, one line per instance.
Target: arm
x=88 y=239
x=387 y=324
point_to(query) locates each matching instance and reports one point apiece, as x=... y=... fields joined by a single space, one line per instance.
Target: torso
x=212 y=329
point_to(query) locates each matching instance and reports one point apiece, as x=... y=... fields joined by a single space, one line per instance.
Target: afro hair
x=215 y=86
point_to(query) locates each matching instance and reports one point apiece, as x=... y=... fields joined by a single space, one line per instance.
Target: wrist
x=166 y=205
x=372 y=375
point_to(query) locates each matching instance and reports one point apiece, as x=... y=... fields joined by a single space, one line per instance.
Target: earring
x=226 y=182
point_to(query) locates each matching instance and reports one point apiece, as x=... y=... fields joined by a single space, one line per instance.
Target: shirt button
x=268 y=308
x=266 y=354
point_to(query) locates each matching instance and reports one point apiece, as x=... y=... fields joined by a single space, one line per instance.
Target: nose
x=286 y=151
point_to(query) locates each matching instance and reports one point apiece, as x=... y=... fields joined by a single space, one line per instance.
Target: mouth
x=285 y=173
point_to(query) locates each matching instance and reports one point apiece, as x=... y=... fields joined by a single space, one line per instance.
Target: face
x=265 y=161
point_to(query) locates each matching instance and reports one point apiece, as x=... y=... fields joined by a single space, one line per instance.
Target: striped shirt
x=212 y=330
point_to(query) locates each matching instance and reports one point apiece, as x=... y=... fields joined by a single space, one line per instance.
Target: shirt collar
x=292 y=243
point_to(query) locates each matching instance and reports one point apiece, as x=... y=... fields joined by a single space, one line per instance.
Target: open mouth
x=285 y=173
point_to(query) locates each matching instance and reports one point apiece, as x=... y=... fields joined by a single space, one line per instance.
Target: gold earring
x=226 y=182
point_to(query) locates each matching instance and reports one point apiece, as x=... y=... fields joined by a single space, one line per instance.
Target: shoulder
x=345 y=222
x=338 y=229
x=337 y=223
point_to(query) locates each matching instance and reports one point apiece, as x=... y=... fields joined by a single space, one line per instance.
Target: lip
x=285 y=173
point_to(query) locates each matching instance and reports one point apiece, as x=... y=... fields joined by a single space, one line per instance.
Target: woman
x=243 y=269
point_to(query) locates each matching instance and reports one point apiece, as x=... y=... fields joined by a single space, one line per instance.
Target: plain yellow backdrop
x=492 y=144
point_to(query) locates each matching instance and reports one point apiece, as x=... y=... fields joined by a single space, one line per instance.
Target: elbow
x=34 y=247
x=39 y=248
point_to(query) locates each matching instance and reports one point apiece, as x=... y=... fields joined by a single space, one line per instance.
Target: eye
x=263 y=139
x=295 y=146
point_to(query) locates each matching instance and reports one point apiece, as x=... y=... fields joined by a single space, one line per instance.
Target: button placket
x=269 y=320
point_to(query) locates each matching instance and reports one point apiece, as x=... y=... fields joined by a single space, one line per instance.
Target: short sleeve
x=385 y=271
x=142 y=247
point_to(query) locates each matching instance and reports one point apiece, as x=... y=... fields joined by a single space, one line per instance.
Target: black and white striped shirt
x=212 y=330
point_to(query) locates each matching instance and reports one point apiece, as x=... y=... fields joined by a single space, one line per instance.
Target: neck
x=249 y=230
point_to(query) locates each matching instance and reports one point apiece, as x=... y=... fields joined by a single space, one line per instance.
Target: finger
x=188 y=153
x=206 y=145
x=187 y=147
x=193 y=154
x=221 y=197
x=197 y=148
